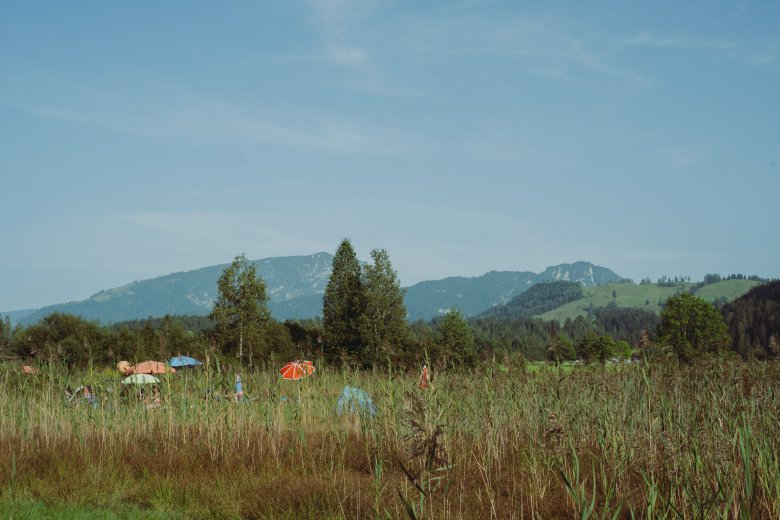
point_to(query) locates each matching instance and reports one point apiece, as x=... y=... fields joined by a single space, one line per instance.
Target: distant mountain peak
x=586 y=273
x=296 y=284
x=477 y=294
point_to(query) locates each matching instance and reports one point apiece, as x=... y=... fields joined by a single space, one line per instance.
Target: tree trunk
x=240 y=341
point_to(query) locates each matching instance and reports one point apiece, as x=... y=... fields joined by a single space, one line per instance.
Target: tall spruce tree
x=382 y=325
x=343 y=304
x=241 y=310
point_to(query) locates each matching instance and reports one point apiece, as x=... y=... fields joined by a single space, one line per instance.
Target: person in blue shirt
x=239 y=388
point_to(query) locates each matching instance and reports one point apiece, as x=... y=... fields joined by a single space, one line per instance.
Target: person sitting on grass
x=153 y=401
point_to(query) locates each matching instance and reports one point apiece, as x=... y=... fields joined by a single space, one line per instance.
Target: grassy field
x=729 y=289
x=642 y=441
x=627 y=295
x=643 y=296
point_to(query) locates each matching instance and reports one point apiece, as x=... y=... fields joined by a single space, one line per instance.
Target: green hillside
x=536 y=300
x=646 y=297
x=627 y=295
x=729 y=289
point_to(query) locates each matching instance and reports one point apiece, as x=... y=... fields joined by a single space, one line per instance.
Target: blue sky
x=143 y=138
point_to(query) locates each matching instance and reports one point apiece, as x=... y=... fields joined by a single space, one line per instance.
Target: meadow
x=634 y=441
x=645 y=297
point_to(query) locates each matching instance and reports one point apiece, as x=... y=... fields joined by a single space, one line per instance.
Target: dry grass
x=644 y=442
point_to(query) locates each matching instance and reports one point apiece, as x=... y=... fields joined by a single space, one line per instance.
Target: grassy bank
x=656 y=441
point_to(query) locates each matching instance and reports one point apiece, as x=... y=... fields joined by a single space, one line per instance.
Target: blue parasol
x=183 y=361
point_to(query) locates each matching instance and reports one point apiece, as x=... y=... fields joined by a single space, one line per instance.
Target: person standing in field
x=239 y=388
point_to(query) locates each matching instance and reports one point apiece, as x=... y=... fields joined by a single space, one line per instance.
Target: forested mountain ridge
x=295 y=288
x=540 y=298
x=294 y=284
x=472 y=296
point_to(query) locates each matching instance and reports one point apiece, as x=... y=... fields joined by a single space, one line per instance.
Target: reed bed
x=633 y=441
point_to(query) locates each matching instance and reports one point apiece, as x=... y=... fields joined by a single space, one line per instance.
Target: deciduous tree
x=692 y=326
x=593 y=347
x=559 y=348
x=457 y=339
x=241 y=310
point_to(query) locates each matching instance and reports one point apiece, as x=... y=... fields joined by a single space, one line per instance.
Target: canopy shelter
x=152 y=367
x=140 y=379
x=183 y=362
x=146 y=367
x=297 y=370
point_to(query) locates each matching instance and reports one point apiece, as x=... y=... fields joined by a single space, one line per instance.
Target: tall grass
x=634 y=441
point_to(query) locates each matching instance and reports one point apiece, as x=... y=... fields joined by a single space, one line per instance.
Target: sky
x=143 y=138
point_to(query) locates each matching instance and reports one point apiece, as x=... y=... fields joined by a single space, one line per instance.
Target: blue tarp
x=355 y=400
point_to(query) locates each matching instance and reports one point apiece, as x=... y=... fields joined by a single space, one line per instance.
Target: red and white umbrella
x=297 y=369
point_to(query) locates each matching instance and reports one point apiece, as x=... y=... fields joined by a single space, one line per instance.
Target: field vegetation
x=641 y=440
x=635 y=415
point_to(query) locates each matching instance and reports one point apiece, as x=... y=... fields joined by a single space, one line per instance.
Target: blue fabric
x=354 y=400
x=239 y=385
x=183 y=361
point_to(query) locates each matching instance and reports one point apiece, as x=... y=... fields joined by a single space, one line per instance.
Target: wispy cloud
x=752 y=53
x=760 y=59
x=329 y=54
x=199 y=118
x=346 y=55
x=648 y=39
x=544 y=46
x=333 y=20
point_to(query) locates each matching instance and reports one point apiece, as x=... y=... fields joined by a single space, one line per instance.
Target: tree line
x=364 y=324
x=753 y=321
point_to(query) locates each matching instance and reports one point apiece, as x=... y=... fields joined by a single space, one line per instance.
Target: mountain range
x=295 y=286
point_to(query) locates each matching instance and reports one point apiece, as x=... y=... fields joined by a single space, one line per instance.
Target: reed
x=625 y=441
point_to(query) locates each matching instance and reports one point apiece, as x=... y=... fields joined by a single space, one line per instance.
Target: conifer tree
x=343 y=305
x=382 y=325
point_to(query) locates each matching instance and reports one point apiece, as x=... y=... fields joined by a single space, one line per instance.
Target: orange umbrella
x=297 y=369
x=152 y=367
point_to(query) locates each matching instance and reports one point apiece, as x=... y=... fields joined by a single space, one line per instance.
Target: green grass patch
x=645 y=297
x=729 y=289
x=648 y=297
